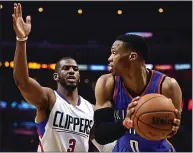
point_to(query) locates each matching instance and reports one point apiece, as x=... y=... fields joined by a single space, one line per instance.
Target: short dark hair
x=136 y=43
x=58 y=63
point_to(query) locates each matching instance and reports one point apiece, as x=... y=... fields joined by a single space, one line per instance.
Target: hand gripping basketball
x=176 y=124
x=128 y=122
x=21 y=28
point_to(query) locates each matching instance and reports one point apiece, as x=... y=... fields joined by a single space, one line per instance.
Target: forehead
x=117 y=44
x=67 y=62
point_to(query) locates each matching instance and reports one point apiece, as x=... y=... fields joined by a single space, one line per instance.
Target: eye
x=75 y=68
x=114 y=52
x=65 y=68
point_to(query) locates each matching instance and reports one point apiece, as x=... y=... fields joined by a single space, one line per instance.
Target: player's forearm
x=20 y=71
x=106 y=130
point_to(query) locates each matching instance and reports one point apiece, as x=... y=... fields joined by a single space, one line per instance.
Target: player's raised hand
x=128 y=122
x=21 y=28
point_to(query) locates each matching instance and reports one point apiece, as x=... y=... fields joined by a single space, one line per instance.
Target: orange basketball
x=153 y=117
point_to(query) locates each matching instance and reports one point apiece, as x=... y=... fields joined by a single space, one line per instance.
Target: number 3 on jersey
x=134 y=145
x=72 y=143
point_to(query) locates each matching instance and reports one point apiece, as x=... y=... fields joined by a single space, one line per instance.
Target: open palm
x=21 y=28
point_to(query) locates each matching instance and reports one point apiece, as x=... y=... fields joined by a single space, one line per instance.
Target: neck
x=136 y=78
x=71 y=96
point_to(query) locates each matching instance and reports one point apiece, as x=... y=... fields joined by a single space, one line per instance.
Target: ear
x=133 y=56
x=55 y=76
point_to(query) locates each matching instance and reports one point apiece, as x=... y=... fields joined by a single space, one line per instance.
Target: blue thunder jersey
x=131 y=141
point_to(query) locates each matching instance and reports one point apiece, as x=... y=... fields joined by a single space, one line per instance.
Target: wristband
x=21 y=39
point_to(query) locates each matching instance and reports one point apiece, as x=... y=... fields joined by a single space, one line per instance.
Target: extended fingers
x=136 y=98
x=130 y=112
x=174 y=131
x=132 y=104
x=175 y=128
x=13 y=20
x=19 y=10
x=14 y=9
x=178 y=114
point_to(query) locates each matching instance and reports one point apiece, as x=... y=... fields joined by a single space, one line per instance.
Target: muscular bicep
x=172 y=90
x=104 y=91
x=34 y=93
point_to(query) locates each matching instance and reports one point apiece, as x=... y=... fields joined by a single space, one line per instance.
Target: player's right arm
x=105 y=129
x=29 y=88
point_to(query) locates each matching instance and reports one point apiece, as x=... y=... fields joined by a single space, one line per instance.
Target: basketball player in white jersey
x=64 y=119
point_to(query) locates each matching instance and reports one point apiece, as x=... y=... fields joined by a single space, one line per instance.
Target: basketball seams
x=149 y=113
x=139 y=128
x=144 y=103
x=157 y=111
x=137 y=119
x=139 y=108
x=147 y=125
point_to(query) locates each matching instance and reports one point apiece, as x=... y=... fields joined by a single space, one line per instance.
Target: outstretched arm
x=29 y=88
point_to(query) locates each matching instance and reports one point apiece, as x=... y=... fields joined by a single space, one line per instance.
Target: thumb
x=28 y=19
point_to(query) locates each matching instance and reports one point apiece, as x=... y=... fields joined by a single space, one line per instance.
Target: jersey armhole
x=161 y=82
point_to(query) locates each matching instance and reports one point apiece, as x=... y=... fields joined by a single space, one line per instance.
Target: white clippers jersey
x=68 y=127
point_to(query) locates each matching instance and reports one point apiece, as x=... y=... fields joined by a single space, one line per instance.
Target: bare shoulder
x=172 y=90
x=105 y=80
x=104 y=90
x=170 y=84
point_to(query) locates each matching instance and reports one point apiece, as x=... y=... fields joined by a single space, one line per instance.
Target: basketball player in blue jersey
x=117 y=94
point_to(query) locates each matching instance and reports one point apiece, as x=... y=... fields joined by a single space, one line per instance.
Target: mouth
x=110 y=67
x=71 y=78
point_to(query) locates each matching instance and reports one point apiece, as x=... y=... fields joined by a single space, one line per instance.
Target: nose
x=110 y=59
x=71 y=70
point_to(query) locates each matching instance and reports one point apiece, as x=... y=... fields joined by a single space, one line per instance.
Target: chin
x=70 y=88
x=113 y=73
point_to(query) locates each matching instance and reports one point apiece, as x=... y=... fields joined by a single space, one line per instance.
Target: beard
x=70 y=87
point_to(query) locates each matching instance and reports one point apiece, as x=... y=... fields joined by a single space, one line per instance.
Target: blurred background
x=86 y=31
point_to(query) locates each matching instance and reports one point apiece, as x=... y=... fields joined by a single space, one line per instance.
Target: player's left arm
x=102 y=148
x=172 y=90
